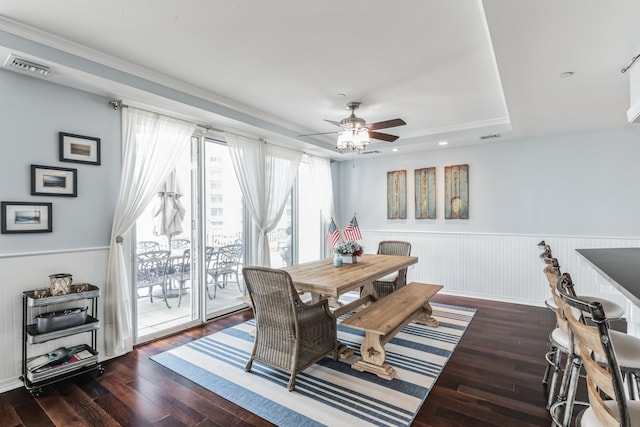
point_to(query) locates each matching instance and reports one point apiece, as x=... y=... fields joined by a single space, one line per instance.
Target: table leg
x=334 y=302
x=424 y=318
x=369 y=291
x=373 y=356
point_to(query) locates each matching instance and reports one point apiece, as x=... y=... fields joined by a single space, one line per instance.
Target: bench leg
x=424 y=318
x=373 y=357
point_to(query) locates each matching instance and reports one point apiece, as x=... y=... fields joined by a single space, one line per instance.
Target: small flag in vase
x=352 y=230
x=333 y=235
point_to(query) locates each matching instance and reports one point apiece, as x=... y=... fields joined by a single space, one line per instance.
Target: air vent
x=370 y=152
x=26 y=65
x=486 y=137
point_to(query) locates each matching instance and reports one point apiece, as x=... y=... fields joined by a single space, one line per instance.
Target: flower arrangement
x=350 y=247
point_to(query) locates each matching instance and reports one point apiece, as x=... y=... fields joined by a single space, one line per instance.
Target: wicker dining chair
x=394 y=281
x=290 y=335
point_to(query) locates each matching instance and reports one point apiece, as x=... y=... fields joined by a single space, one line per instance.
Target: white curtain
x=323 y=185
x=151 y=144
x=265 y=174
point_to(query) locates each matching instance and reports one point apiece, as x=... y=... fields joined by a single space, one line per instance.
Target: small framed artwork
x=456 y=192
x=397 y=194
x=26 y=217
x=52 y=181
x=79 y=149
x=425 y=190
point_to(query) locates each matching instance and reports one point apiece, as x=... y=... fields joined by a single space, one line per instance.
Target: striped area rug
x=329 y=393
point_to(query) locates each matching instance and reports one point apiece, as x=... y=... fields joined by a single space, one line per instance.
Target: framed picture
x=397 y=194
x=26 y=217
x=425 y=193
x=456 y=192
x=79 y=149
x=52 y=181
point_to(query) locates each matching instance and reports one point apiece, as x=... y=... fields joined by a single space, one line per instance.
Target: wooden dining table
x=322 y=280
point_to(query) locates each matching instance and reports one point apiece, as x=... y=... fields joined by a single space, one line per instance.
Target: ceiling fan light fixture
x=353 y=140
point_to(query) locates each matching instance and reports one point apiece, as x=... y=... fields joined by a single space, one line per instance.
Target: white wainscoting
x=501 y=267
x=24 y=272
x=490 y=266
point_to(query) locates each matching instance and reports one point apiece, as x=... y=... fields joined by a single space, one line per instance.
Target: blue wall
x=32 y=112
x=582 y=184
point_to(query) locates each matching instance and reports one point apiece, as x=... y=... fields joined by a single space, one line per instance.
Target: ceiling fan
x=354 y=123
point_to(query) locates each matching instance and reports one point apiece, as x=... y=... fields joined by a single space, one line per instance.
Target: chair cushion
x=627 y=350
x=560 y=339
x=589 y=418
x=611 y=309
x=388 y=278
x=550 y=303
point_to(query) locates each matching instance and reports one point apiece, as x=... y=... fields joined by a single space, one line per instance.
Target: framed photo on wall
x=456 y=192
x=397 y=194
x=79 y=149
x=53 y=181
x=26 y=217
x=425 y=193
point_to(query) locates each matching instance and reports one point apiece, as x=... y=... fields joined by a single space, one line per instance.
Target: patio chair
x=392 y=282
x=146 y=246
x=152 y=271
x=290 y=335
x=179 y=271
x=228 y=264
x=180 y=244
x=211 y=268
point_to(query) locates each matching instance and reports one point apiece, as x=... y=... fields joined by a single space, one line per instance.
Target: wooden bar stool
x=559 y=337
x=602 y=358
x=627 y=347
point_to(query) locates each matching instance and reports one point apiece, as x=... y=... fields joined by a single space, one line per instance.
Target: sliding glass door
x=198 y=221
x=165 y=298
x=224 y=224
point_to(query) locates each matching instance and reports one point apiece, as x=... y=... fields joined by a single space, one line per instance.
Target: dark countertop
x=620 y=266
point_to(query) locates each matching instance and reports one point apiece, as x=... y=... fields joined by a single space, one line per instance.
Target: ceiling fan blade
x=383 y=136
x=321 y=133
x=336 y=123
x=386 y=124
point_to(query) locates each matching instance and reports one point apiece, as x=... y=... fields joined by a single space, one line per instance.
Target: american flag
x=333 y=235
x=352 y=230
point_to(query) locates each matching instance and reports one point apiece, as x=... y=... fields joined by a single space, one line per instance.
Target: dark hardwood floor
x=493 y=379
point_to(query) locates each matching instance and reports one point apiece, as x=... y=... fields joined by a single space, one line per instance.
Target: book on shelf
x=60 y=356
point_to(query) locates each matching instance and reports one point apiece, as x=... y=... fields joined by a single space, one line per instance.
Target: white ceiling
x=453 y=70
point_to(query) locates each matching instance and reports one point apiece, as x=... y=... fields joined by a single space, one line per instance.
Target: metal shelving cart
x=38 y=377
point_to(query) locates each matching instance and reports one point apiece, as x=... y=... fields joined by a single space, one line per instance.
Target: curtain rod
x=633 y=61
x=117 y=104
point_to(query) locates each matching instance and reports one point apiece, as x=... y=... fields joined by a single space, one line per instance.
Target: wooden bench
x=383 y=319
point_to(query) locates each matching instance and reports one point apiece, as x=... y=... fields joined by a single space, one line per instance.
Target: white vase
x=349 y=259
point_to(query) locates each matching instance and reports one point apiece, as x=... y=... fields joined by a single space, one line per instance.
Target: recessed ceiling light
x=395 y=149
x=442 y=143
x=567 y=74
